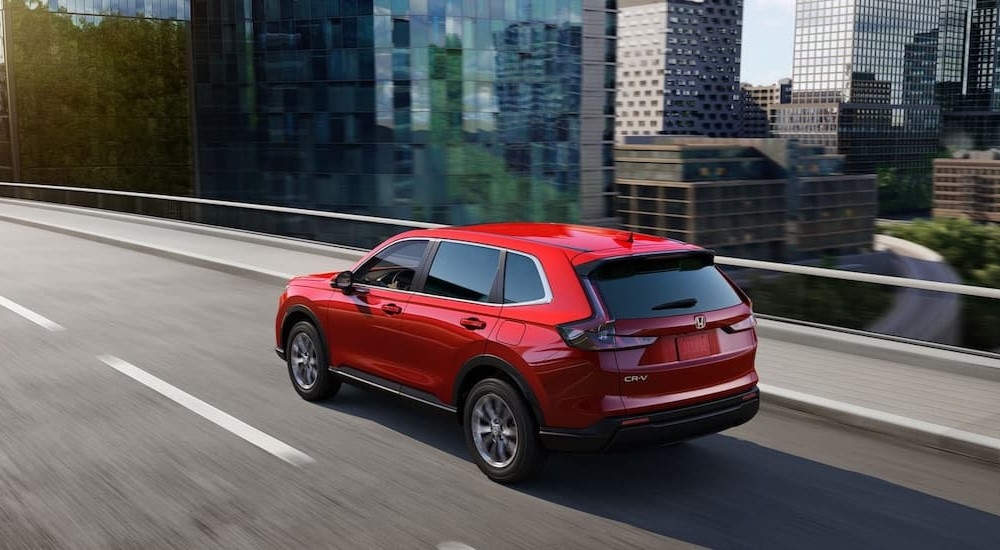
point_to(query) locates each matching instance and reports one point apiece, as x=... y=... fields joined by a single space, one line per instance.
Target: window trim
x=424 y=267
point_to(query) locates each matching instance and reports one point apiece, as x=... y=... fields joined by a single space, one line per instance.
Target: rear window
x=639 y=288
x=521 y=282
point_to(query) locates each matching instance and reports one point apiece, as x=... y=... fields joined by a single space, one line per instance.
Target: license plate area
x=699 y=344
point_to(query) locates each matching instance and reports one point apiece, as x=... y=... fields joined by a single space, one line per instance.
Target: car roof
x=585 y=242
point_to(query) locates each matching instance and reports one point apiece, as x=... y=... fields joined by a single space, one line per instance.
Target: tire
x=307 y=364
x=494 y=409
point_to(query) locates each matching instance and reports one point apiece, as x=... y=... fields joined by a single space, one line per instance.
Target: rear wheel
x=307 y=364
x=501 y=433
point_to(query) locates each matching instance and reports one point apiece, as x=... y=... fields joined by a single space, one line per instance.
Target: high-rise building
x=891 y=82
x=968 y=85
x=452 y=111
x=96 y=94
x=864 y=81
x=681 y=59
x=642 y=41
x=759 y=106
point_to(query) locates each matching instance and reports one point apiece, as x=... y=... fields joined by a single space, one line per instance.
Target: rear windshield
x=639 y=288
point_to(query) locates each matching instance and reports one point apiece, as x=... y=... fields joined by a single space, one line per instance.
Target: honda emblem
x=699 y=322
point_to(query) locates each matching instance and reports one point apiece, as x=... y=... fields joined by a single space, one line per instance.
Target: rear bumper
x=663 y=427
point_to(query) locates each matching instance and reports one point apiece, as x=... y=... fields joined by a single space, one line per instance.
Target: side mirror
x=344 y=281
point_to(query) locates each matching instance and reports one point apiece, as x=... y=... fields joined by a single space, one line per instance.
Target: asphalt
x=92 y=458
x=937 y=397
x=909 y=316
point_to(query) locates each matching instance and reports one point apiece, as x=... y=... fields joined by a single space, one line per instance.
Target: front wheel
x=501 y=433
x=307 y=364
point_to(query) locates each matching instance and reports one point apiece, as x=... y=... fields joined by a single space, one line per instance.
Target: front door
x=364 y=323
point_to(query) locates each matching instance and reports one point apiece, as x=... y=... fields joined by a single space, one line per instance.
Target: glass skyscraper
x=864 y=75
x=453 y=111
x=892 y=82
x=971 y=99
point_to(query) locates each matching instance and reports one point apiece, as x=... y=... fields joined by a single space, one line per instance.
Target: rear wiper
x=677 y=304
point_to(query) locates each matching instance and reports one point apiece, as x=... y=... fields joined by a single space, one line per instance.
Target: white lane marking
x=452 y=545
x=210 y=413
x=30 y=315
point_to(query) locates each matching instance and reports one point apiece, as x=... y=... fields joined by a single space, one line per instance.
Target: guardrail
x=352 y=230
x=362 y=231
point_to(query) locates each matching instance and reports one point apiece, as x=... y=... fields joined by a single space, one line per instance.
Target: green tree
x=903 y=192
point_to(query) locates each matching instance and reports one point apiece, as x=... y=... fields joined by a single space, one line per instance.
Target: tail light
x=746 y=324
x=600 y=337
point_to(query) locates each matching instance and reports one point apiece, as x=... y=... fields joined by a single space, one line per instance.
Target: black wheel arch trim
x=312 y=318
x=506 y=368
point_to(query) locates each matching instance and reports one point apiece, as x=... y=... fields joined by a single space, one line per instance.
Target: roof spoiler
x=585 y=270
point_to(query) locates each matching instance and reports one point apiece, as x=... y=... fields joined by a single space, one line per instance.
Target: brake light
x=600 y=337
x=746 y=324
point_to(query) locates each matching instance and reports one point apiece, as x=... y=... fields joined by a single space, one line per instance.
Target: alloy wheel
x=303 y=358
x=494 y=430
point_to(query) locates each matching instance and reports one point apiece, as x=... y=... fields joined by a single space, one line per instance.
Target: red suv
x=539 y=337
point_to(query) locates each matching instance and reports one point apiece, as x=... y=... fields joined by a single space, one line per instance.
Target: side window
x=521 y=281
x=463 y=271
x=393 y=267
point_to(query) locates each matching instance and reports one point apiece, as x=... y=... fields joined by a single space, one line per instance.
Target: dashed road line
x=249 y=433
x=31 y=315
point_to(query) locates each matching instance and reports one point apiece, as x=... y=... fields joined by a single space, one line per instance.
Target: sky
x=768 y=33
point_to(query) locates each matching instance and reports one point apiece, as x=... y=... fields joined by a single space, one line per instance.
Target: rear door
x=450 y=317
x=704 y=344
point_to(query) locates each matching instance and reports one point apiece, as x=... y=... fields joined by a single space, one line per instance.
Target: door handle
x=392 y=309
x=472 y=323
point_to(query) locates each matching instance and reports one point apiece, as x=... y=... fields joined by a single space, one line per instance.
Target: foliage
x=101 y=101
x=974 y=251
x=902 y=192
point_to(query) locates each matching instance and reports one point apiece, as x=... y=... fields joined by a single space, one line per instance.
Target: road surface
x=94 y=456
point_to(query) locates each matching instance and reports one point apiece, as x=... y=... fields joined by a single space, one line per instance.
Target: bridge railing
x=914 y=309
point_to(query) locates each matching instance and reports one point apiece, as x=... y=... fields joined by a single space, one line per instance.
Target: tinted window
x=638 y=288
x=521 y=281
x=393 y=267
x=463 y=271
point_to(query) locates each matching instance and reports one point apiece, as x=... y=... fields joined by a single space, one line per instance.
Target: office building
x=641 y=63
x=679 y=68
x=455 y=111
x=890 y=83
x=753 y=198
x=759 y=106
x=452 y=111
x=864 y=75
x=969 y=85
x=96 y=94
x=968 y=186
